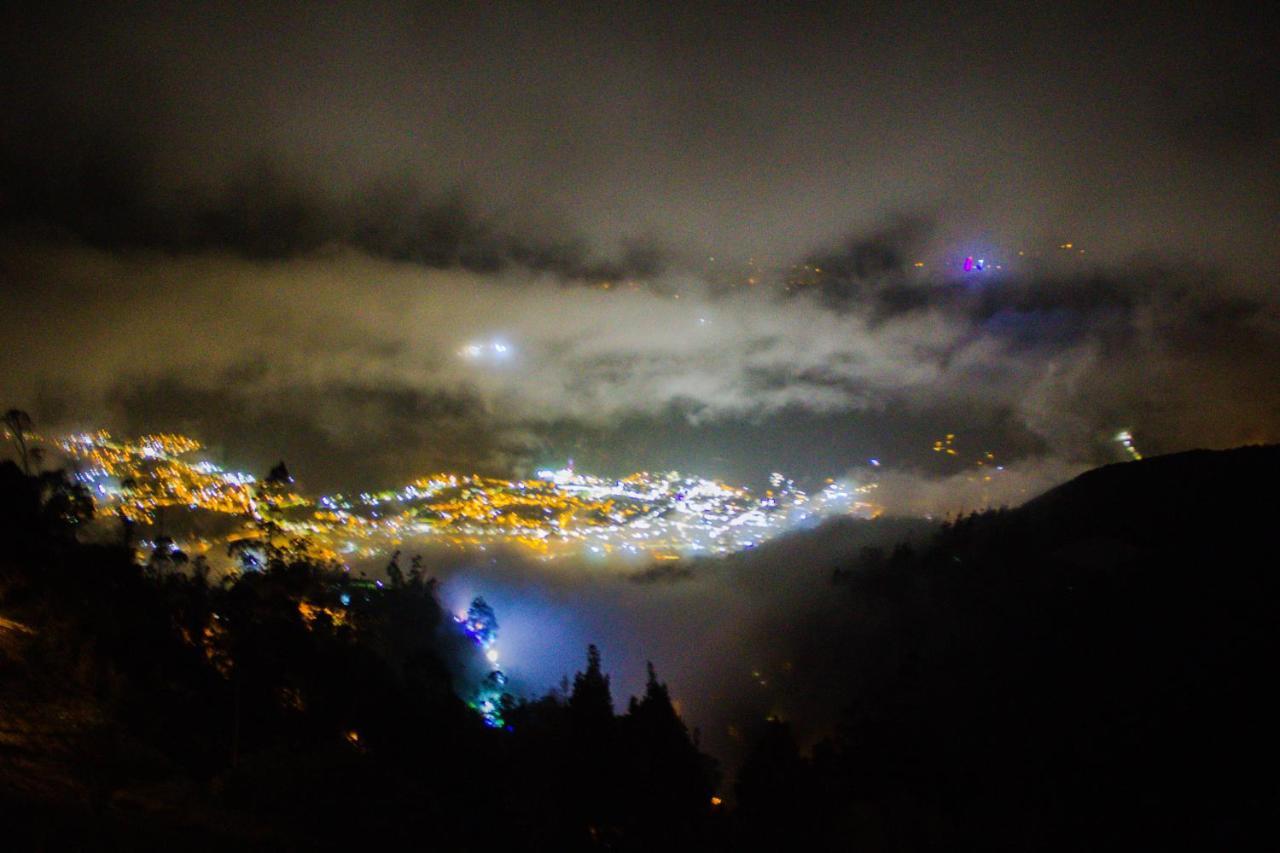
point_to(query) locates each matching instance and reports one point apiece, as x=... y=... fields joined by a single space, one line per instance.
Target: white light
x=492 y=655
x=493 y=349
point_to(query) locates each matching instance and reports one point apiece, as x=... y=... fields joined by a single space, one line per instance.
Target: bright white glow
x=492 y=350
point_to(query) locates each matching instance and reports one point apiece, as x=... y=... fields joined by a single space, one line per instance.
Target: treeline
x=1092 y=670
x=296 y=706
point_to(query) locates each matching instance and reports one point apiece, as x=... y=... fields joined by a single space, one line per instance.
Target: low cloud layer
x=361 y=367
x=734 y=641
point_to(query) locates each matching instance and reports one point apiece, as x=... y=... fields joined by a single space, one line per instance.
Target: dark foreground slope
x=1091 y=670
x=142 y=707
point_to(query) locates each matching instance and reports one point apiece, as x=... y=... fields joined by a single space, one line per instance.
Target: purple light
x=968 y=264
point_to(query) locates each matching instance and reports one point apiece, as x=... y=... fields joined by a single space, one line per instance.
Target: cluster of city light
x=981 y=469
x=138 y=479
x=562 y=511
x=556 y=513
x=154 y=479
x=946 y=445
x=1126 y=441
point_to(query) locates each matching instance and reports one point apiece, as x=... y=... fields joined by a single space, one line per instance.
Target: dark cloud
x=1228 y=112
x=721 y=130
x=345 y=436
x=102 y=196
x=869 y=269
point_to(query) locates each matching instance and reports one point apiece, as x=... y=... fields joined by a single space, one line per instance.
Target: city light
x=1126 y=441
x=560 y=512
x=494 y=350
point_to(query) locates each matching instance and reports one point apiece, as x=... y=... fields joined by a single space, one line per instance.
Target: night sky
x=724 y=238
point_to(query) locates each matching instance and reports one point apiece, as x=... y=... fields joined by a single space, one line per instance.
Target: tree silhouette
x=166 y=555
x=772 y=788
x=326 y=708
x=64 y=504
x=592 y=750
x=591 y=703
x=279 y=476
x=394 y=573
x=668 y=782
x=266 y=543
x=41 y=509
x=18 y=423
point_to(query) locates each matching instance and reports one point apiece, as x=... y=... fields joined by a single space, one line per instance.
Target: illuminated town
x=161 y=482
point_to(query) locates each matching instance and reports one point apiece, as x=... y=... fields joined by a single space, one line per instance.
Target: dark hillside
x=1151 y=502
x=1090 y=670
